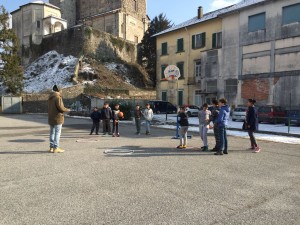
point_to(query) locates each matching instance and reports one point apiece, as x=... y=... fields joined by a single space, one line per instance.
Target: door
x=198 y=98
x=164 y=96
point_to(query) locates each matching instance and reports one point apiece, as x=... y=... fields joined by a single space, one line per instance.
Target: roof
x=37 y=3
x=212 y=15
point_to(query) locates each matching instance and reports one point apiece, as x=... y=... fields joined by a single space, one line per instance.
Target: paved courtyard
x=148 y=182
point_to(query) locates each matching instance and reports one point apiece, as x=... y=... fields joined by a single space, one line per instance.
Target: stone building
x=126 y=19
x=34 y=20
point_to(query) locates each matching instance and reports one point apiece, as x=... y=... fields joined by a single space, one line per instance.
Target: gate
x=11 y=104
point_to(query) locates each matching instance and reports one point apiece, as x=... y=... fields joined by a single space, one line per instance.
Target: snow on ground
x=279 y=128
x=119 y=69
x=51 y=68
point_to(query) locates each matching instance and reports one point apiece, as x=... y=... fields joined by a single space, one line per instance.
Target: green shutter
x=181 y=69
x=162 y=71
x=193 y=41
x=180 y=45
x=203 y=38
x=214 y=40
x=164 y=48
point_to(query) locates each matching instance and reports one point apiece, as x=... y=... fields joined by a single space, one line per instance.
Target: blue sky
x=176 y=10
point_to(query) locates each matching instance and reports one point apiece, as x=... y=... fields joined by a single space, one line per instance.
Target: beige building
x=34 y=20
x=195 y=48
x=261 y=50
x=126 y=19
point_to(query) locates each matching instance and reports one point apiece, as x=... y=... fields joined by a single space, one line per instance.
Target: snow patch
x=119 y=69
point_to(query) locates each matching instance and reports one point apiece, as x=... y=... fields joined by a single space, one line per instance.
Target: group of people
x=217 y=119
x=106 y=114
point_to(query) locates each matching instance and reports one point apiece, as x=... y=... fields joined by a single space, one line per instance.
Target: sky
x=177 y=11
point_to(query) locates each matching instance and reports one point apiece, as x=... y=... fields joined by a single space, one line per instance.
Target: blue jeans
x=222 y=139
x=148 y=123
x=55 y=132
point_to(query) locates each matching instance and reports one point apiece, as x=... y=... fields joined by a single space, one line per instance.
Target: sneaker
x=58 y=150
x=204 y=148
x=91 y=133
x=251 y=148
x=51 y=150
x=218 y=153
x=113 y=135
x=257 y=149
x=225 y=152
x=118 y=135
x=180 y=146
x=183 y=146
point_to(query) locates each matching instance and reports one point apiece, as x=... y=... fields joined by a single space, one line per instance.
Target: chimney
x=200 y=12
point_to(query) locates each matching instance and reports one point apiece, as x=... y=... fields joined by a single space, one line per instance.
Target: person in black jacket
x=251 y=124
x=184 y=125
x=95 y=116
x=106 y=116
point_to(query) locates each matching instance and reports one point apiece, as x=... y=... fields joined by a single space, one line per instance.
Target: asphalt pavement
x=141 y=179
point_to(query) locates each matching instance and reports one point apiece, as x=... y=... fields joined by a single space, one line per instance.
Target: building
x=126 y=19
x=34 y=20
x=195 y=48
x=247 y=50
x=261 y=49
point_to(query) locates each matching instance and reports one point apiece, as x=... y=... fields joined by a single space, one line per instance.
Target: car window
x=240 y=110
x=265 y=109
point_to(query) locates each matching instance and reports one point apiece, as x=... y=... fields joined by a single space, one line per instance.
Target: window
x=231 y=86
x=164 y=48
x=180 y=66
x=211 y=86
x=257 y=22
x=38 y=24
x=164 y=96
x=198 y=68
x=163 y=67
x=291 y=14
x=217 y=40
x=180 y=97
x=180 y=47
x=198 y=40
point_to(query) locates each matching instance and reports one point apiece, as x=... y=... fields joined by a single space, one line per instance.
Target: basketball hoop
x=172 y=72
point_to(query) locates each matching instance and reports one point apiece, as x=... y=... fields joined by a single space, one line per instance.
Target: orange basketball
x=120 y=115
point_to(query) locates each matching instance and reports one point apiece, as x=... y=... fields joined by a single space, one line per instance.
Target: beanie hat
x=55 y=88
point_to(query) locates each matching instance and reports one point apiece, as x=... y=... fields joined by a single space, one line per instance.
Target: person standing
x=203 y=116
x=251 y=124
x=137 y=117
x=213 y=118
x=56 y=110
x=106 y=116
x=222 y=123
x=148 y=115
x=95 y=116
x=184 y=125
x=116 y=118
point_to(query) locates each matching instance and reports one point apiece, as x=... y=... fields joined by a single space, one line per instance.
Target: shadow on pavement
x=27 y=140
x=24 y=153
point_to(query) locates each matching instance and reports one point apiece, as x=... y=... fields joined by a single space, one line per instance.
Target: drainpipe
x=188 y=65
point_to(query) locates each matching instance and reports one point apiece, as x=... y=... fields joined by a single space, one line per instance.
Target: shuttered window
x=198 y=40
x=291 y=14
x=163 y=67
x=164 y=48
x=180 y=47
x=257 y=22
x=180 y=66
x=217 y=40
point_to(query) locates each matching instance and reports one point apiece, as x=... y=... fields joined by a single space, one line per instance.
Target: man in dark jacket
x=56 y=110
x=95 y=116
x=251 y=123
x=106 y=116
x=213 y=119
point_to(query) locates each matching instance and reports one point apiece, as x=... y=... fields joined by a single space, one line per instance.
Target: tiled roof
x=211 y=15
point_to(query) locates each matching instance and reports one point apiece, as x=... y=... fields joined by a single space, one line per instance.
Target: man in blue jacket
x=222 y=123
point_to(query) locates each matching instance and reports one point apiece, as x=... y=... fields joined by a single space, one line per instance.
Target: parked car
x=162 y=106
x=192 y=110
x=271 y=114
x=292 y=117
x=239 y=113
